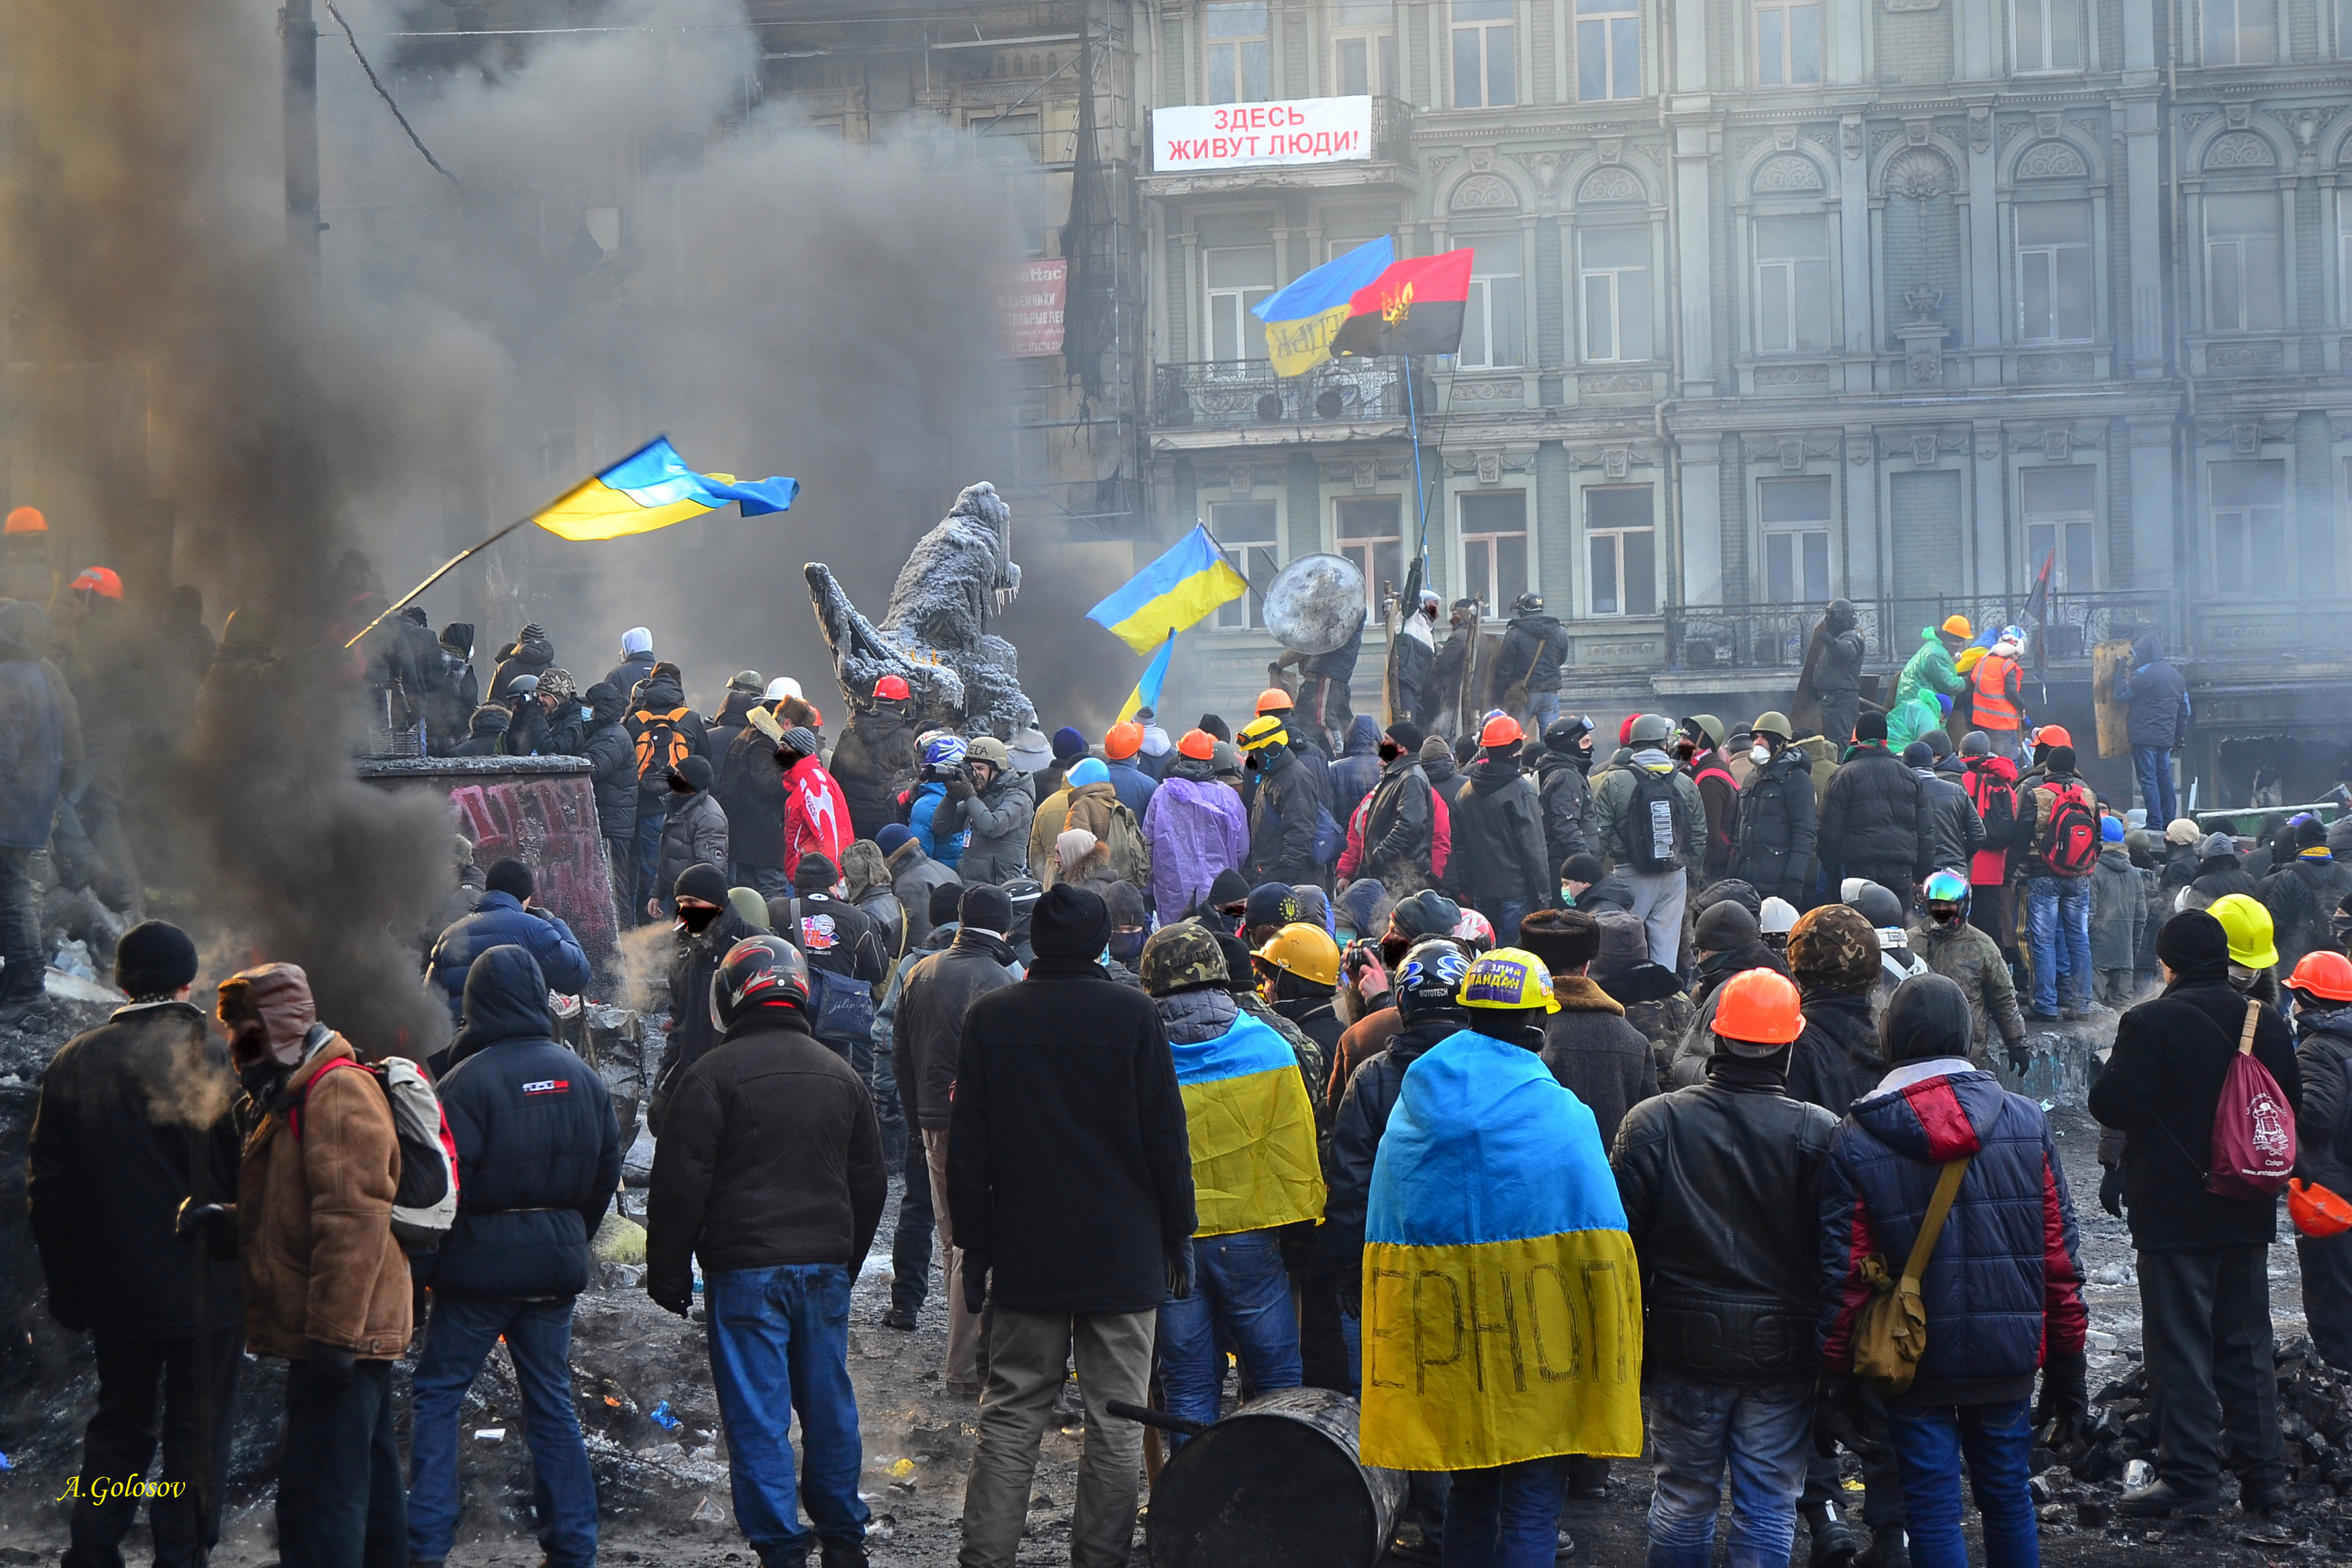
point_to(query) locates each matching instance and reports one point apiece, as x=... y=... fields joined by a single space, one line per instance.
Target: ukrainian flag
x=1147 y=691
x=1193 y=579
x=1502 y=1310
x=1302 y=320
x=653 y=487
x=1252 y=1129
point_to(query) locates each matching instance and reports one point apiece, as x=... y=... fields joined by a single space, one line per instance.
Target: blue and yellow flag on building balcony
x=1502 y=1309
x=653 y=487
x=1302 y=320
x=1185 y=584
x=1252 y=1129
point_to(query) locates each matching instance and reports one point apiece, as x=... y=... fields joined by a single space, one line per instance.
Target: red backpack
x=2071 y=845
x=2254 y=1127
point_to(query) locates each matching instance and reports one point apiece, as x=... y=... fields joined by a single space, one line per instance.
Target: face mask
x=1250 y=762
x=587 y=713
x=697 y=919
x=1759 y=755
x=1127 y=943
x=1567 y=894
x=1390 y=751
x=1945 y=916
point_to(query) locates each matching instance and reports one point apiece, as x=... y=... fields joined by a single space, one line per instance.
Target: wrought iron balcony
x=1774 y=637
x=1337 y=392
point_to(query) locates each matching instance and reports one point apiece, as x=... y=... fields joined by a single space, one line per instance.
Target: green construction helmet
x=1773 y=724
x=1182 y=957
x=1652 y=728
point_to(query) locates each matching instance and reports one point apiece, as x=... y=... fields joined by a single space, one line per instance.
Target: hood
x=267 y=1009
x=738 y=707
x=1613 y=891
x=2116 y=857
x=1842 y=616
x=1930 y=637
x=1491 y=773
x=1102 y=792
x=1363 y=737
x=864 y=869
x=603 y=704
x=506 y=999
x=1193 y=1018
x=24 y=630
x=1936 y=1118
x=490 y=721
x=1192 y=769
x=2146 y=649
x=661 y=692
x=1540 y=623
x=1639 y=983
x=1156 y=742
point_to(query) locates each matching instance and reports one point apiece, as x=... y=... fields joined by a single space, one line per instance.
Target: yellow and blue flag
x=1184 y=584
x=1302 y=320
x=653 y=487
x=1502 y=1310
x=1252 y=1129
x=1147 y=691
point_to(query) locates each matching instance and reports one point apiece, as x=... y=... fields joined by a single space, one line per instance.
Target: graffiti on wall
x=548 y=822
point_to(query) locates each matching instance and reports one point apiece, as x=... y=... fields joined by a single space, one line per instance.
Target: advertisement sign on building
x=1029 y=301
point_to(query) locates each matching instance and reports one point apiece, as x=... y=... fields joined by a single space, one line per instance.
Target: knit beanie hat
x=814 y=873
x=2193 y=946
x=984 y=906
x=154 y=958
x=2183 y=830
x=1918 y=754
x=1724 y=926
x=1069 y=923
x=1584 y=867
x=892 y=834
x=701 y=881
x=1870 y=727
x=1435 y=749
x=947 y=903
x=1068 y=745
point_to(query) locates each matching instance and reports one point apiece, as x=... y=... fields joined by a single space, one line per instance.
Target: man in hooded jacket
x=2158 y=699
x=750 y=789
x=636 y=664
x=1535 y=645
x=664 y=730
x=694 y=830
x=1498 y=863
x=1282 y=819
x=1400 y=820
x=540 y=1155
x=1195 y=827
x=1564 y=786
x=1358 y=770
x=1837 y=674
x=999 y=807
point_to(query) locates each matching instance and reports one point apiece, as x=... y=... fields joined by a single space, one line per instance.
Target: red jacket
x=816 y=815
x=1441 y=837
x=1991 y=784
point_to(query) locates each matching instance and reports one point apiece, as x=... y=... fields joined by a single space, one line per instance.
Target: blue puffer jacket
x=501 y=919
x=2003 y=1279
x=538 y=1154
x=2157 y=695
x=923 y=816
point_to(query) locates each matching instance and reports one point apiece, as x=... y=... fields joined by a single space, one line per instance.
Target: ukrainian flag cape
x=1253 y=1131
x=1502 y=1311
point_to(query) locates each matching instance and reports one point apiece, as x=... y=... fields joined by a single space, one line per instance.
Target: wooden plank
x=2114 y=718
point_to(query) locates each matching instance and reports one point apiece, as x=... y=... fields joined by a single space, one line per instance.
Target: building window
x=2344 y=240
x=1241 y=61
x=2248 y=524
x=2046 y=35
x=2054 y=272
x=1796 y=515
x=1609 y=49
x=2062 y=516
x=1238 y=278
x=1622 y=535
x=1364 y=47
x=1485 y=66
x=1369 y=532
x=1614 y=264
x=1246 y=530
x=1494 y=547
x=1491 y=335
x=1788 y=42
x=2344 y=29
x=2241 y=32
x=1792 y=285
x=2243 y=281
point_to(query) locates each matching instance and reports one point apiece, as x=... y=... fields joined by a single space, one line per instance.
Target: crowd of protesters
x=1180 y=1045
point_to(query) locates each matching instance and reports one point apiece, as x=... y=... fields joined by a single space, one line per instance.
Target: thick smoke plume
x=782 y=305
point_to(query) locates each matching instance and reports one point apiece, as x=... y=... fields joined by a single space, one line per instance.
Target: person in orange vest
x=1996 y=687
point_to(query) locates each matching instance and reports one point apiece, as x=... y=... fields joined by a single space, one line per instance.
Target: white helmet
x=784 y=685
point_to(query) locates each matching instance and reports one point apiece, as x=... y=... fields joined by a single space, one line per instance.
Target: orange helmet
x=1760 y=1007
x=1500 y=730
x=1124 y=740
x=890 y=688
x=2324 y=973
x=2317 y=1211
x=25 y=520
x=2052 y=735
x=1275 y=700
x=1957 y=626
x=99 y=580
x=1197 y=744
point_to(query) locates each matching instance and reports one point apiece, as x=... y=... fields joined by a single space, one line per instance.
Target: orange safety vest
x=1994 y=710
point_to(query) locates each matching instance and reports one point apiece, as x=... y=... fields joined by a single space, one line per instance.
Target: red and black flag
x=1413 y=308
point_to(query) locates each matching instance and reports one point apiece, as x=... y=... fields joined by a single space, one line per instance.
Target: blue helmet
x=1429 y=981
x=947 y=752
x=1948 y=887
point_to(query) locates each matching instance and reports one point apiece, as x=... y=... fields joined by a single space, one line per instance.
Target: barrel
x=1276 y=1484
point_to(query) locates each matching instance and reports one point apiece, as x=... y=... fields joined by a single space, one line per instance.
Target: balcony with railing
x=1755 y=638
x=1332 y=402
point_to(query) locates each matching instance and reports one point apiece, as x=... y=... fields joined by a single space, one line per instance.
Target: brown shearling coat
x=314 y=1218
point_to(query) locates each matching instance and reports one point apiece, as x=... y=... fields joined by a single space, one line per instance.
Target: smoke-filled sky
x=790 y=307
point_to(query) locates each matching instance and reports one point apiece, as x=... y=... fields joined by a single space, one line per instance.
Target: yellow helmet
x=2248 y=924
x=1510 y=978
x=1305 y=951
x=1259 y=733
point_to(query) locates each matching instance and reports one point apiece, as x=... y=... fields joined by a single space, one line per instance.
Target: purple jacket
x=1196 y=828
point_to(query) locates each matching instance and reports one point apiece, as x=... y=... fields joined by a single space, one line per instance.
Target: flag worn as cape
x=1502 y=1311
x=1192 y=578
x=1413 y=308
x=1252 y=1128
x=1301 y=320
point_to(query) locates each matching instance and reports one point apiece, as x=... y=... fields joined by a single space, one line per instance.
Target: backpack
x=2253 y=1129
x=1130 y=856
x=2072 y=846
x=1996 y=806
x=1656 y=821
x=660 y=742
x=1890 y=1332
x=840 y=1007
x=425 y=1204
x=1329 y=839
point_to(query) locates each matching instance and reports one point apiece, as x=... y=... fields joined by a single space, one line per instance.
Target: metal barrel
x=1276 y=1484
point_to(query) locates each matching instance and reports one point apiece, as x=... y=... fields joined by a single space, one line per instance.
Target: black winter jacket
x=529 y=654
x=1534 y=648
x=2157 y=695
x=872 y=761
x=927 y=1033
x=1722 y=1186
x=613 y=764
x=2323 y=1122
x=1836 y=1060
x=1596 y=1055
x=1282 y=819
x=1875 y=814
x=539 y=1152
x=1955 y=830
x=834 y=936
x=1777 y=828
x=771 y=1157
x=1399 y=830
x=751 y=789
x=1566 y=796
x=2301 y=897
x=1363 y=1115
x=2161 y=1084
x=1498 y=855
x=106 y=1175
x=693 y=961
x=1069 y=1170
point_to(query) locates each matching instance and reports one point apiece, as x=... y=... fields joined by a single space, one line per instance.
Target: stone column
x=2155 y=521
x=1702 y=520
x=1863 y=579
x=1991 y=529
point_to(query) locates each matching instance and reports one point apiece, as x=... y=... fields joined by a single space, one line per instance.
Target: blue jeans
x=2058 y=916
x=1504 y=1517
x=464 y=1331
x=653 y=816
x=1997 y=1442
x=1241 y=1295
x=780 y=1342
x=2153 y=764
x=1762 y=1432
x=1543 y=707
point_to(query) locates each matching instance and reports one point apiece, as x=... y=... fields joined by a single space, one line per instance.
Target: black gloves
x=668 y=1295
x=976 y=1283
x=2110 y=1190
x=1845 y=1411
x=1179 y=1271
x=331 y=1366
x=211 y=1226
x=2021 y=1057
x=2065 y=1396
x=959 y=787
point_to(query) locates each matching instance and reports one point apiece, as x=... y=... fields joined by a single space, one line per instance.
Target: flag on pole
x=653 y=487
x=1301 y=320
x=1147 y=691
x=1184 y=584
x=1415 y=306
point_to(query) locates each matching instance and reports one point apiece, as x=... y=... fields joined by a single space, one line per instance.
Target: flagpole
x=447 y=567
x=1420 y=487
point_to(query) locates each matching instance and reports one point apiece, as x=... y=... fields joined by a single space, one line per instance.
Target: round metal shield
x=1316 y=603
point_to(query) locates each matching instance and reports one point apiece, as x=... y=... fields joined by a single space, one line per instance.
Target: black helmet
x=1429 y=981
x=1561 y=732
x=1878 y=905
x=758 y=971
x=1528 y=603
